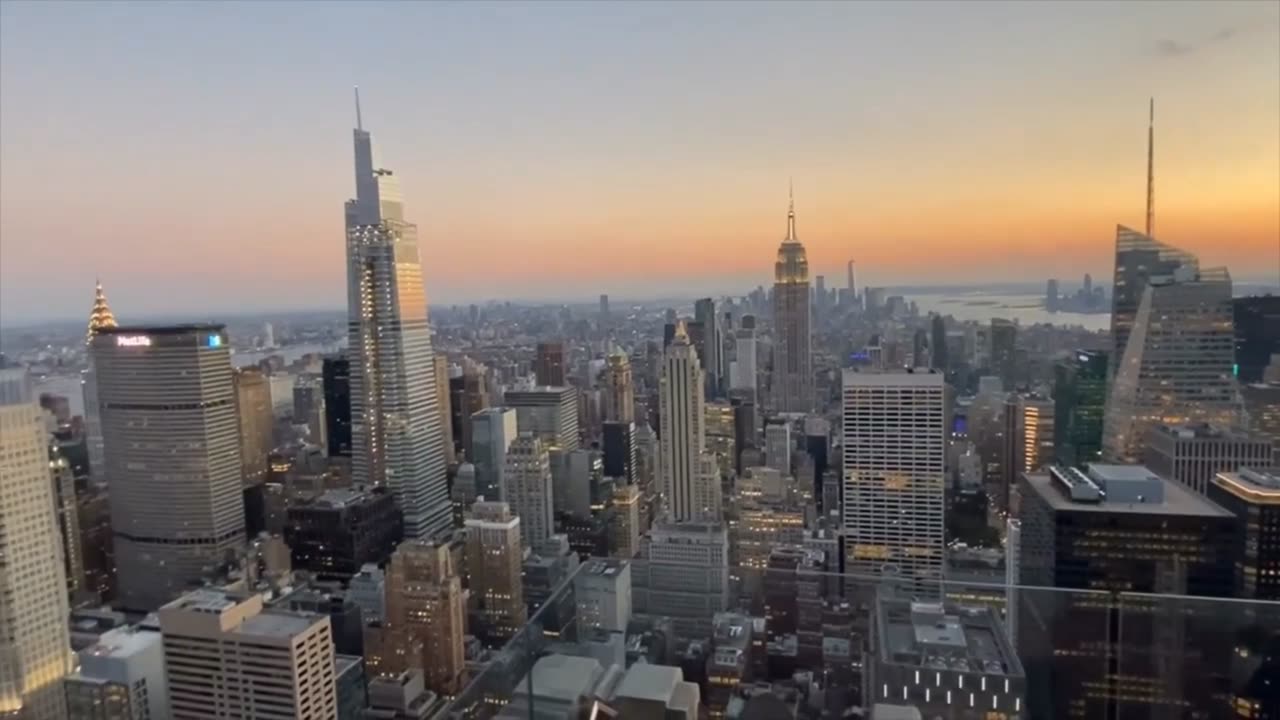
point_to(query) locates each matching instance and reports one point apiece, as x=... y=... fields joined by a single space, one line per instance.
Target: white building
x=529 y=490
x=396 y=439
x=121 y=677
x=368 y=590
x=682 y=572
x=742 y=371
x=682 y=439
x=227 y=656
x=603 y=592
x=894 y=446
x=35 y=649
x=777 y=447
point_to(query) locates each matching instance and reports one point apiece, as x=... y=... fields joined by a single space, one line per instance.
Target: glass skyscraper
x=1177 y=364
x=1079 y=397
x=1138 y=258
x=396 y=438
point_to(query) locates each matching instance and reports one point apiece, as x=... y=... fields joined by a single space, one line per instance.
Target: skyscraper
x=396 y=438
x=441 y=363
x=1027 y=440
x=551 y=413
x=1079 y=396
x=36 y=651
x=494 y=556
x=336 y=376
x=618 y=443
x=173 y=455
x=425 y=617
x=1138 y=258
x=257 y=423
x=682 y=436
x=1257 y=327
x=938 y=343
x=549 y=363
x=1192 y=455
x=528 y=488
x=711 y=349
x=1004 y=348
x=744 y=372
x=894 y=445
x=492 y=432
x=619 y=393
x=792 y=318
x=1253 y=496
x=1177 y=366
x=100 y=317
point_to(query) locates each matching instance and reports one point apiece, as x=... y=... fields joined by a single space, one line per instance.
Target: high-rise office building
x=618 y=443
x=777 y=446
x=1156 y=537
x=619 y=393
x=1253 y=496
x=1004 y=351
x=792 y=325
x=602 y=589
x=528 y=488
x=1192 y=455
x=549 y=365
x=682 y=436
x=551 y=413
x=1027 y=442
x=682 y=573
x=894 y=446
x=395 y=434
x=100 y=317
x=342 y=530
x=711 y=349
x=425 y=617
x=257 y=423
x=492 y=432
x=625 y=541
x=1262 y=408
x=1079 y=397
x=172 y=439
x=336 y=376
x=121 y=677
x=938 y=343
x=1256 y=320
x=1139 y=258
x=443 y=405
x=1177 y=367
x=744 y=428
x=226 y=655
x=494 y=557
x=743 y=375
x=817 y=443
x=36 y=652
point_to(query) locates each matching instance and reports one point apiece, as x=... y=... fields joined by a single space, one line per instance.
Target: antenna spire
x=1151 y=177
x=359 y=123
x=791 y=211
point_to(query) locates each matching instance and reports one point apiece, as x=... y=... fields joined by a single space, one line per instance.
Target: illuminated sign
x=215 y=341
x=133 y=341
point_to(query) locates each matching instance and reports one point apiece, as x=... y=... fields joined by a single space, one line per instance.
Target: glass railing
x=811 y=644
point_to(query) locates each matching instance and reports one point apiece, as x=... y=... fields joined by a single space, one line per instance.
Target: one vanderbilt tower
x=395 y=433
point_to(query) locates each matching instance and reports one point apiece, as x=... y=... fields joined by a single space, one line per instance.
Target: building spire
x=1151 y=176
x=359 y=121
x=100 y=317
x=791 y=212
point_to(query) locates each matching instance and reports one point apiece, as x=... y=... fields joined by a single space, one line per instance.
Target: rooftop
x=277 y=623
x=1205 y=431
x=1259 y=486
x=944 y=637
x=650 y=682
x=562 y=677
x=122 y=642
x=1110 y=488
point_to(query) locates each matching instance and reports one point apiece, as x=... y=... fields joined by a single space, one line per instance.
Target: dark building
x=351 y=686
x=336 y=377
x=549 y=364
x=938 y=343
x=1257 y=326
x=57 y=405
x=744 y=428
x=1253 y=496
x=618 y=445
x=345 y=620
x=341 y=530
x=1004 y=351
x=817 y=443
x=1092 y=653
x=459 y=421
x=668 y=334
x=589 y=535
x=1079 y=397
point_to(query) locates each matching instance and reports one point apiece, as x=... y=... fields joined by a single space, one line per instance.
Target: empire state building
x=792 y=325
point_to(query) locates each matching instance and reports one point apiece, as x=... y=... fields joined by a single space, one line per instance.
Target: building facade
x=494 y=557
x=1079 y=398
x=492 y=432
x=1192 y=455
x=793 y=325
x=529 y=489
x=395 y=433
x=172 y=444
x=257 y=423
x=682 y=433
x=551 y=413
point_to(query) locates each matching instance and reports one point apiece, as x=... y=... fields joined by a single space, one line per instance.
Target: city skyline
x=533 y=152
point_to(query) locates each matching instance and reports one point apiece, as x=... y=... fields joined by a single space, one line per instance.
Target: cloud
x=1173 y=47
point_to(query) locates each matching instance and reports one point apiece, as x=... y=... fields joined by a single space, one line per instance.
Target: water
x=289 y=353
x=1025 y=309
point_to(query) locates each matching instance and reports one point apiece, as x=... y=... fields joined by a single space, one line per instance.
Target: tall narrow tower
x=36 y=652
x=100 y=318
x=682 y=437
x=792 y=359
x=395 y=422
x=1151 y=170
